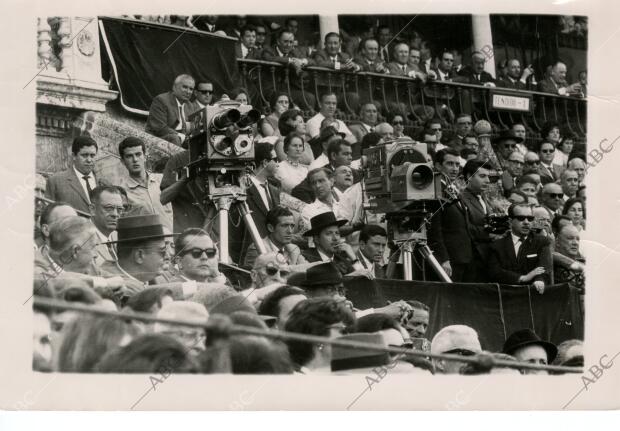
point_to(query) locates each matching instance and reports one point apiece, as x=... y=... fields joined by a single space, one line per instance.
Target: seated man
x=521 y=257
x=167 y=114
x=417 y=324
x=568 y=262
x=514 y=78
x=327 y=103
x=330 y=247
x=50 y=215
x=372 y=243
x=368 y=120
x=332 y=57
x=107 y=207
x=454 y=340
x=556 y=83
x=475 y=74
x=196 y=256
x=322 y=182
x=246 y=47
x=569 y=179
x=281 y=226
x=514 y=169
x=343 y=180
x=74 y=185
x=369 y=60
x=526 y=346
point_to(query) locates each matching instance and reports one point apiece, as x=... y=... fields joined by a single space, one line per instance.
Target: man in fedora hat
x=330 y=247
x=527 y=346
x=141 y=249
x=505 y=144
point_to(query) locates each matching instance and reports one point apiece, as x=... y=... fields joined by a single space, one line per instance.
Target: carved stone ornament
x=85 y=43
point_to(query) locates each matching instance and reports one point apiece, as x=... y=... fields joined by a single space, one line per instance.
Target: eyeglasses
x=110 y=209
x=555 y=195
x=523 y=218
x=547 y=151
x=197 y=252
x=205 y=91
x=272 y=269
x=438 y=129
x=518 y=162
x=511 y=146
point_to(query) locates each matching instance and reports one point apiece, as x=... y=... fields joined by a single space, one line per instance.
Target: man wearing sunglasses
x=197 y=257
x=505 y=144
x=553 y=198
x=514 y=169
x=548 y=171
x=203 y=96
x=521 y=257
x=106 y=209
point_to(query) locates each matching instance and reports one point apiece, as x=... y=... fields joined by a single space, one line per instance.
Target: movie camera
x=400 y=181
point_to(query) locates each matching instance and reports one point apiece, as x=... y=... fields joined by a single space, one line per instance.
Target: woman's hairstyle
x=289 y=138
x=572 y=201
x=274 y=100
x=250 y=354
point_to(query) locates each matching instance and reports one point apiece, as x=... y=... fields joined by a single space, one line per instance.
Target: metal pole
x=430 y=257
x=249 y=222
x=223 y=206
x=408 y=261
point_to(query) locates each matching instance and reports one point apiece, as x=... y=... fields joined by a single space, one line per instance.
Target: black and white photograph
x=366 y=200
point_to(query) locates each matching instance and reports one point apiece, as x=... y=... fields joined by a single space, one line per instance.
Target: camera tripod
x=409 y=248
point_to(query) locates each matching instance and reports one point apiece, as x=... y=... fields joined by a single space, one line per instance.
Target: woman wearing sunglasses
x=398 y=123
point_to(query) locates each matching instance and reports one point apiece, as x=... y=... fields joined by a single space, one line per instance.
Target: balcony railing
x=446 y=99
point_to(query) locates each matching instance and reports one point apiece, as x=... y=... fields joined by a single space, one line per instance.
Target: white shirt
x=313 y=126
x=261 y=191
x=315 y=208
x=324 y=257
x=516 y=242
x=91 y=181
x=244 y=51
x=370 y=266
x=291 y=175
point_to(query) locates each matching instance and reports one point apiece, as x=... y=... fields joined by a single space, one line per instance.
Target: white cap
x=456 y=337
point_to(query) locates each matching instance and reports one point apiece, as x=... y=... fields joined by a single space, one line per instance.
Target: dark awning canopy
x=146 y=57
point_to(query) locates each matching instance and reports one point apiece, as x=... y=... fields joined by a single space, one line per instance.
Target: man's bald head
x=385 y=130
x=578 y=165
x=558 y=72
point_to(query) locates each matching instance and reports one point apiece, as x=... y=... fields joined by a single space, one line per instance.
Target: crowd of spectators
x=149 y=248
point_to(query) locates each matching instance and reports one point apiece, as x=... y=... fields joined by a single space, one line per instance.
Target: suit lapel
x=258 y=200
x=76 y=185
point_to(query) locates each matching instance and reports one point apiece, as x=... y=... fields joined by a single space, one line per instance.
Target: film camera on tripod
x=221 y=156
x=401 y=182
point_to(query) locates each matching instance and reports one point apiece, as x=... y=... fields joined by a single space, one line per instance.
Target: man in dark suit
x=372 y=243
x=206 y=23
x=168 y=112
x=514 y=166
x=460 y=244
x=246 y=47
x=556 y=83
x=521 y=257
x=444 y=70
x=285 y=54
x=400 y=66
x=369 y=60
x=74 y=185
x=261 y=195
x=475 y=74
x=514 y=78
x=368 y=120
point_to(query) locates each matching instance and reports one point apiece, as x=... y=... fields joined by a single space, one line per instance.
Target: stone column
x=327 y=24
x=483 y=40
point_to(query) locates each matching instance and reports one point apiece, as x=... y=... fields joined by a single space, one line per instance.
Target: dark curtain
x=495 y=311
x=148 y=56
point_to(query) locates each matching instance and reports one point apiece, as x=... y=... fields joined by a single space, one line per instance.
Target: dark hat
x=323 y=220
x=527 y=337
x=325 y=134
x=350 y=358
x=139 y=228
x=296 y=279
x=321 y=274
x=505 y=135
x=233 y=303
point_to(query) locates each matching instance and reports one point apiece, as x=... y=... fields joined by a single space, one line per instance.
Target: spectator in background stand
x=328 y=104
x=142 y=187
x=514 y=169
x=106 y=209
x=583 y=82
x=206 y=23
x=332 y=58
x=343 y=179
x=368 y=121
x=246 y=47
x=398 y=123
x=385 y=131
x=565 y=147
x=462 y=127
x=556 y=83
x=552 y=198
x=532 y=163
x=577 y=164
x=240 y=95
x=322 y=182
x=569 y=180
x=548 y=171
x=261 y=37
x=570 y=265
x=293 y=121
x=203 y=96
x=505 y=144
x=475 y=74
x=519 y=131
x=384 y=37
x=369 y=59
x=445 y=69
x=290 y=171
x=279 y=103
x=576 y=210
x=168 y=112
x=74 y=185
x=514 y=78
x=327 y=135
x=280 y=303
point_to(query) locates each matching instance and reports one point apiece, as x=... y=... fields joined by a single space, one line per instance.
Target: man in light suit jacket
x=168 y=112
x=521 y=257
x=73 y=186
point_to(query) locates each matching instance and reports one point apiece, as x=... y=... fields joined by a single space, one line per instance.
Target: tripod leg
x=249 y=222
x=430 y=258
x=408 y=262
x=223 y=206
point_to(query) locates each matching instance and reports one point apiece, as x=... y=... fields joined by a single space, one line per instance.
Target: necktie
x=88 y=188
x=404 y=69
x=477 y=77
x=182 y=119
x=518 y=246
x=482 y=203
